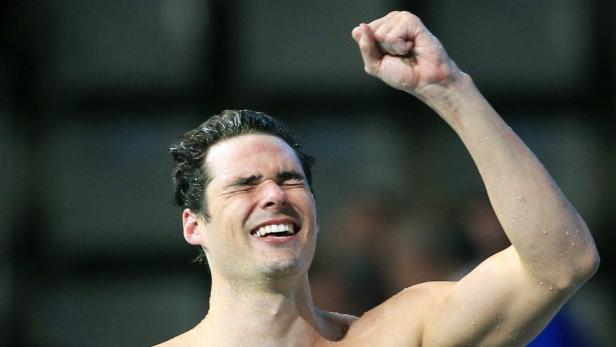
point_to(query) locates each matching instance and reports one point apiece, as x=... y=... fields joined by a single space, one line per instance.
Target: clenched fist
x=400 y=51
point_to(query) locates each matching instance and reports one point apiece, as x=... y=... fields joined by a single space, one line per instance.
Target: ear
x=193 y=227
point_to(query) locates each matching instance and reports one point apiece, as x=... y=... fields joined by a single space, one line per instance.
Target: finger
x=398 y=36
x=376 y=24
x=370 y=53
x=385 y=27
x=356 y=33
x=401 y=37
x=396 y=45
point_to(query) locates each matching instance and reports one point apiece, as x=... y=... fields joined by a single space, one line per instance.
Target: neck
x=264 y=313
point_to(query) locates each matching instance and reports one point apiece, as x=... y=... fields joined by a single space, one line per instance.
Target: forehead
x=250 y=154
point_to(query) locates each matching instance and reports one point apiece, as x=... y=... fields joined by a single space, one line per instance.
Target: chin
x=285 y=268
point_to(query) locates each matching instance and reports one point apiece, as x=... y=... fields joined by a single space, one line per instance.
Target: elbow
x=589 y=263
x=580 y=270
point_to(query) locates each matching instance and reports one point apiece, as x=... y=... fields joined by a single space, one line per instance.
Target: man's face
x=263 y=218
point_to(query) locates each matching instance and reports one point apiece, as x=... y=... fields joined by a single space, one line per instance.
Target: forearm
x=550 y=238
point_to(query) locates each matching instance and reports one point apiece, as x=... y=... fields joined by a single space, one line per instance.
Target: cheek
x=235 y=208
x=305 y=201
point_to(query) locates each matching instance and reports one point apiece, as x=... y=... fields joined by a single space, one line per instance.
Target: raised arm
x=510 y=297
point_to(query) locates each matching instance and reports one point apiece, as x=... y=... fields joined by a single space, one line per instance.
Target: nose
x=273 y=196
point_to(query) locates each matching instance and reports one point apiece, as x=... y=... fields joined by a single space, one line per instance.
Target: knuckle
x=391 y=37
x=411 y=17
x=379 y=35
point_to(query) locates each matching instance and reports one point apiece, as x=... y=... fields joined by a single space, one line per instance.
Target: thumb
x=370 y=53
x=356 y=33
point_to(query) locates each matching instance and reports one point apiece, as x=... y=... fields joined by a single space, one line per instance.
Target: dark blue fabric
x=561 y=332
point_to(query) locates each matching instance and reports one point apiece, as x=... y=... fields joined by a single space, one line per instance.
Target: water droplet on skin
x=540 y=283
x=519 y=197
x=577 y=231
x=567 y=233
x=486 y=138
x=572 y=244
x=515 y=216
x=474 y=323
x=562 y=255
x=545 y=232
x=551 y=288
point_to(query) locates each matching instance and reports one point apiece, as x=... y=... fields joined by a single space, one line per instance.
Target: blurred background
x=93 y=92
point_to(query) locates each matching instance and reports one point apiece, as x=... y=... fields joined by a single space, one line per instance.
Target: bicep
x=498 y=303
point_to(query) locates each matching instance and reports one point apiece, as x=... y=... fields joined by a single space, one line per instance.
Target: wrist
x=455 y=101
x=440 y=94
x=448 y=96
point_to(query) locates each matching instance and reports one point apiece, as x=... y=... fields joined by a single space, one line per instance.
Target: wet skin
x=257 y=180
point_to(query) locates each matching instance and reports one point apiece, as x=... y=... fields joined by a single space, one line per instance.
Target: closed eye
x=291 y=178
x=283 y=179
x=244 y=183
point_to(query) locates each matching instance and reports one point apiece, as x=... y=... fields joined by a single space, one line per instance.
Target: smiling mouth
x=276 y=230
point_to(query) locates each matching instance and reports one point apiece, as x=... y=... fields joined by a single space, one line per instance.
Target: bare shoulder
x=410 y=305
x=401 y=318
x=185 y=339
x=334 y=325
x=339 y=318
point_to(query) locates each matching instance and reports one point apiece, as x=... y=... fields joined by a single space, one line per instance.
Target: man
x=248 y=204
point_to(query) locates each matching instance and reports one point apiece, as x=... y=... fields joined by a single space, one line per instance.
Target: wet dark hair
x=189 y=151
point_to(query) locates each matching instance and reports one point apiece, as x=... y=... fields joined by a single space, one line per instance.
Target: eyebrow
x=246 y=181
x=286 y=175
x=255 y=179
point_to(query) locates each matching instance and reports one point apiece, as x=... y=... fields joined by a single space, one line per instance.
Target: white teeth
x=275 y=228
